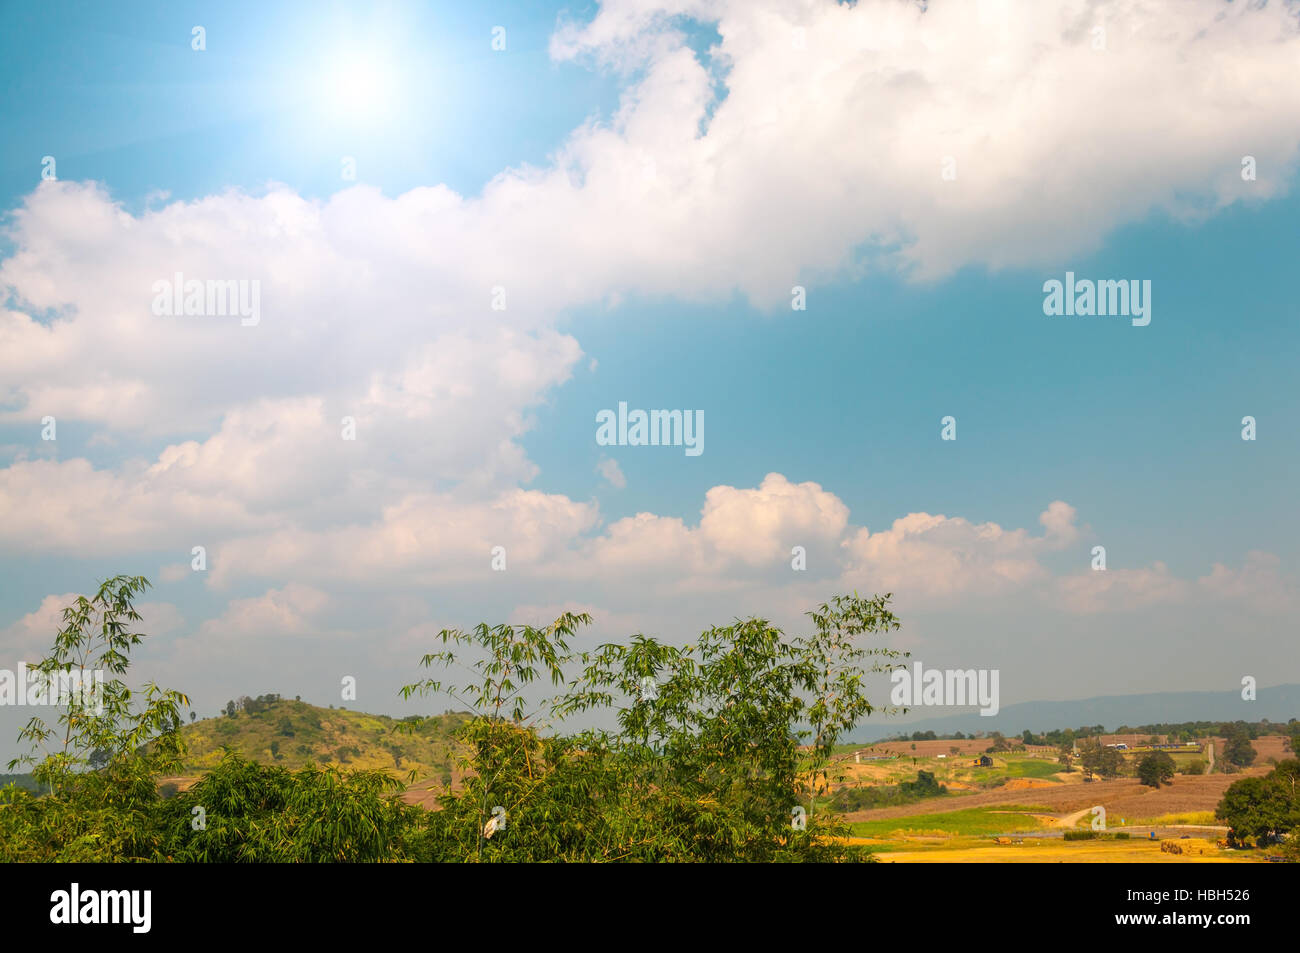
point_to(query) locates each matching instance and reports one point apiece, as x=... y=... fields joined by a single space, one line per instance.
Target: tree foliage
x=1097 y=759
x=706 y=762
x=1263 y=809
x=102 y=728
x=1156 y=769
x=1237 y=749
x=719 y=750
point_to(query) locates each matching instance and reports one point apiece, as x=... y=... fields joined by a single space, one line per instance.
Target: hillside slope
x=292 y=734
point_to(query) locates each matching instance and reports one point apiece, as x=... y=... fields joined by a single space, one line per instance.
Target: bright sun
x=359 y=86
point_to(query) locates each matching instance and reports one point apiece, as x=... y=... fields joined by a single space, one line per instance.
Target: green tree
x=722 y=751
x=1090 y=757
x=706 y=763
x=93 y=649
x=1155 y=769
x=1237 y=749
x=267 y=814
x=1065 y=754
x=1263 y=809
x=102 y=760
x=1099 y=760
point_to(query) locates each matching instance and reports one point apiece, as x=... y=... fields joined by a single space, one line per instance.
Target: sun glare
x=358 y=86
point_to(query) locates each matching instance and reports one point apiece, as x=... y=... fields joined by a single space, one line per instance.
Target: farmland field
x=1080 y=852
x=1017 y=810
x=966 y=822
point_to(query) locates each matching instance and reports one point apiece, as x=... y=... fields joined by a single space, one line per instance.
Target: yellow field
x=1195 y=818
x=1076 y=852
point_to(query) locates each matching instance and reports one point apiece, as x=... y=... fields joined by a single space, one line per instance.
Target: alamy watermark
x=945 y=687
x=208 y=299
x=1085 y=298
x=654 y=428
x=129 y=907
x=81 y=687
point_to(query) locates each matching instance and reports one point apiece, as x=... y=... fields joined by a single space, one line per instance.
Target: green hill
x=22 y=780
x=292 y=734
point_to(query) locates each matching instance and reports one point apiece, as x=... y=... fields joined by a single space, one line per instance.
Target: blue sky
x=655 y=184
x=120 y=96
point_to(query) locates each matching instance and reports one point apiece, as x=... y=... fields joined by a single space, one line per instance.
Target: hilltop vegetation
x=293 y=734
x=23 y=781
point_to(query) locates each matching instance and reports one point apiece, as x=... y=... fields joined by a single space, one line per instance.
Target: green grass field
x=972 y=822
x=1024 y=767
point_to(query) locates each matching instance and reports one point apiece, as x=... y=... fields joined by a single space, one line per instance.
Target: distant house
x=867 y=754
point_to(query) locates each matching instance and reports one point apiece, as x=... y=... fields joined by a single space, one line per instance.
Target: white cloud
x=287 y=611
x=422 y=539
x=75 y=509
x=819 y=161
x=836 y=148
x=1259 y=584
x=612 y=472
x=938 y=556
x=1121 y=590
x=840 y=143
x=761 y=525
x=32 y=636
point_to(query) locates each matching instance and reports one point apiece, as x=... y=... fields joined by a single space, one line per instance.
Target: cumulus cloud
x=612 y=473
x=287 y=611
x=837 y=120
x=809 y=141
x=1259 y=584
x=427 y=318
x=758 y=526
x=826 y=124
x=32 y=636
x=367 y=327
x=938 y=556
x=423 y=538
x=72 y=508
x=1121 y=590
x=739 y=530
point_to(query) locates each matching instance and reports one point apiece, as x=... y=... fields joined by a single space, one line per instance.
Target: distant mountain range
x=1279 y=703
